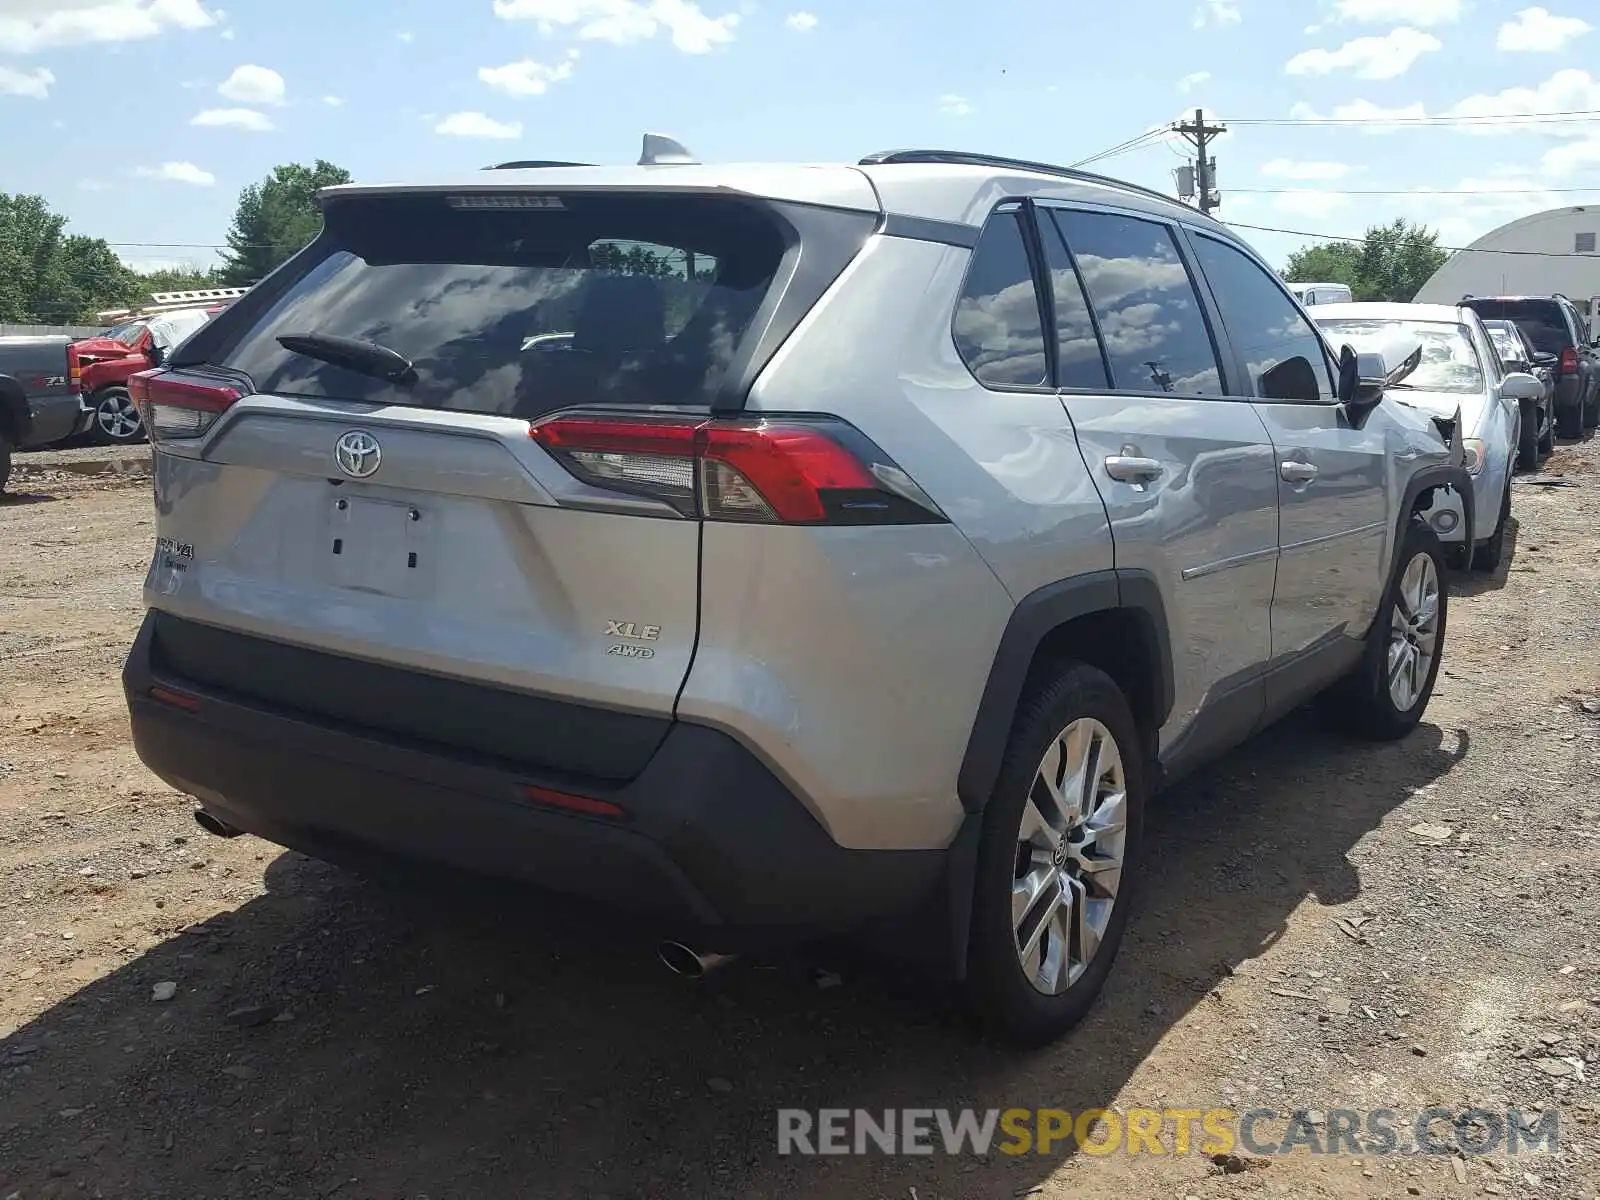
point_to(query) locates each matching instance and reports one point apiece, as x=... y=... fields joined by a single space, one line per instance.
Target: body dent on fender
x=1036 y=616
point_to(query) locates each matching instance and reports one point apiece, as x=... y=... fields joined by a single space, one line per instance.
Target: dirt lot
x=330 y=1037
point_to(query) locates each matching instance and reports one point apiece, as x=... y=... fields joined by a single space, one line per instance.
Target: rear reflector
x=788 y=470
x=175 y=405
x=175 y=699
x=587 y=805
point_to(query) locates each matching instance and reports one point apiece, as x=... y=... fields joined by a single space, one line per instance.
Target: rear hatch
x=358 y=460
x=1540 y=319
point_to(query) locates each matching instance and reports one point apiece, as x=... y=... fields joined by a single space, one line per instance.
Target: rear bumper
x=712 y=846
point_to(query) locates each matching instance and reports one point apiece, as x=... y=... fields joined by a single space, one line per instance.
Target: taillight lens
x=74 y=369
x=175 y=405
x=788 y=470
x=1569 y=361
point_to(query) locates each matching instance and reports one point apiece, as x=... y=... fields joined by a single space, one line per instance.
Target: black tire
x=1569 y=422
x=104 y=430
x=1591 y=410
x=1001 y=990
x=5 y=461
x=1363 y=704
x=1487 y=555
x=1528 y=439
x=1547 y=439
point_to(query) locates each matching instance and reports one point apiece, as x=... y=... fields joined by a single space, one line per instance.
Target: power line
x=1529 y=191
x=1133 y=143
x=1569 y=116
x=1344 y=237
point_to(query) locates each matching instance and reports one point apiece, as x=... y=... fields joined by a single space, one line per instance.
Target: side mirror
x=1519 y=386
x=1545 y=360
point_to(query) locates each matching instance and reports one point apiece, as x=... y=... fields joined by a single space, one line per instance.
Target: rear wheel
x=1591 y=410
x=1486 y=555
x=1058 y=851
x=1569 y=420
x=1528 y=439
x=1547 y=438
x=5 y=460
x=1387 y=693
x=116 y=418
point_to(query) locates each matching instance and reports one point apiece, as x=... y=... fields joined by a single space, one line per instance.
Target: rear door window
x=518 y=311
x=1151 y=321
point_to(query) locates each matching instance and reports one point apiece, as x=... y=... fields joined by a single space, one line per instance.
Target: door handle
x=1126 y=469
x=1297 y=472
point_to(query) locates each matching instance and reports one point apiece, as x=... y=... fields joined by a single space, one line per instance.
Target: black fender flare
x=1035 y=617
x=15 y=420
x=1432 y=477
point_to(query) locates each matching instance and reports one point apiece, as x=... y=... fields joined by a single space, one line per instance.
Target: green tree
x=50 y=277
x=276 y=218
x=1391 y=263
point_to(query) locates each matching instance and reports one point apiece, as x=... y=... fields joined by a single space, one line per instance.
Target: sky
x=142 y=119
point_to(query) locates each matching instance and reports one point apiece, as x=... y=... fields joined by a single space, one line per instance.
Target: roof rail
x=963 y=158
x=526 y=164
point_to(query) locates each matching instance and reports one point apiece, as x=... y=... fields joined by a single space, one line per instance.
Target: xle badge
x=633 y=633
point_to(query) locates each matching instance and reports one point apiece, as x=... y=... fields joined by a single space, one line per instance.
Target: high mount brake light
x=782 y=470
x=175 y=405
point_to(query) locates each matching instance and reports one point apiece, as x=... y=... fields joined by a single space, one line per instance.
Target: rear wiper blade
x=354 y=354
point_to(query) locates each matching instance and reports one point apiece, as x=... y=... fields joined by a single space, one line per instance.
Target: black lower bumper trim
x=713 y=843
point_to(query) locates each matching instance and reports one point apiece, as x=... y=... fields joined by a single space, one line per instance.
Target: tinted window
x=1079 y=363
x=1282 y=353
x=1542 y=320
x=128 y=334
x=617 y=299
x=1150 y=318
x=1449 y=360
x=998 y=329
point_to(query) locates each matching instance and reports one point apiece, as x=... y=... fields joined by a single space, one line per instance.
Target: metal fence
x=77 y=331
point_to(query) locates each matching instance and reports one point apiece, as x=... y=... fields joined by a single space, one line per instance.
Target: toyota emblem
x=358 y=454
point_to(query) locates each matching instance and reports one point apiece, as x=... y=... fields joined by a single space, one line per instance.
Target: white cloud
x=477 y=125
x=1288 y=168
x=233 y=118
x=333 y=101
x=954 y=106
x=405 y=35
x=1539 y=31
x=1570 y=90
x=28 y=26
x=251 y=84
x=527 y=77
x=626 y=21
x=1216 y=12
x=1386 y=57
x=1372 y=118
x=1400 y=12
x=1193 y=80
x=801 y=22
x=34 y=84
x=1309 y=202
x=1572 y=157
x=178 y=172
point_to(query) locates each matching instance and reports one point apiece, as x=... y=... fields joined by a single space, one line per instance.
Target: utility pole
x=1199 y=135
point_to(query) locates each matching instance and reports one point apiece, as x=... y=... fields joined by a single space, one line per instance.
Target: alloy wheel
x=117 y=416
x=1070 y=852
x=1413 y=632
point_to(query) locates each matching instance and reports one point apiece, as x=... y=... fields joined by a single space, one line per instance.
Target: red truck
x=98 y=368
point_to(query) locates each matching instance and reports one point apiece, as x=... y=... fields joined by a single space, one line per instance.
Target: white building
x=1539 y=255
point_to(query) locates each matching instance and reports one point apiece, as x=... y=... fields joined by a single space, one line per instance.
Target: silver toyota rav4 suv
x=780 y=551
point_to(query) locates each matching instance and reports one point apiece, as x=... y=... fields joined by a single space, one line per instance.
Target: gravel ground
x=1329 y=926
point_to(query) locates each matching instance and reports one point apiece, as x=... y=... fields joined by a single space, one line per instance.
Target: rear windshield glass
x=1449 y=361
x=520 y=311
x=1541 y=320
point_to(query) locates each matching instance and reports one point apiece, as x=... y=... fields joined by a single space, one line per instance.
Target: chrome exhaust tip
x=213 y=825
x=690 y=964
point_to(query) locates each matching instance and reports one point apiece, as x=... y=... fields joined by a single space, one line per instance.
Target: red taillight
x=74 y=369
x=776 y=471
x=587 y=805
x=179 y=406
x=1569 y=361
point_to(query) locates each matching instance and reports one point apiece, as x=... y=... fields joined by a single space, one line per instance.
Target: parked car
x=104 y=364
x=37 y=406
x=1459 y=373
x=1321 y=293
x=1537 y=436
x=865 y=577
x=1554 y=326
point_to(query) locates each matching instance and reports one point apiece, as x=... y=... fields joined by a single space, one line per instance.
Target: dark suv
x=1555 y=327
